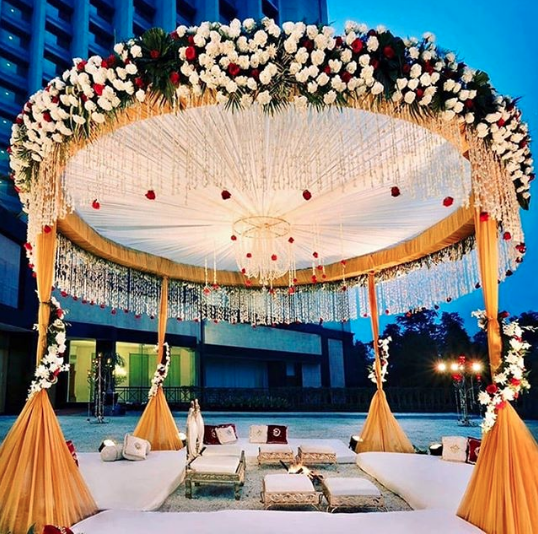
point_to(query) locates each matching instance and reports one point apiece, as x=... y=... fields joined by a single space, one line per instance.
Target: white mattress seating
x=289 y=490
x=222 y=450
x=216 y=469
x=271 y=521
x=350 y=492
x=125 y=485
x=421 y=480
x=312 y=454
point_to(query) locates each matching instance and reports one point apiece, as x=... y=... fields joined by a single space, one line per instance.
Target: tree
x=453 y=339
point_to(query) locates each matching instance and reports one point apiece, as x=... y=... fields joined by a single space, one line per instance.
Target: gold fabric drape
x=157 y=423
x=381 y=431
x=39 y=481
x=502 y=496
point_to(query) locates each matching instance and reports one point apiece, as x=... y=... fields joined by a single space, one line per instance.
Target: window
x=270 y=10
x=227 y=11
x=186 y=12
x=16 y=10
x=10 y=265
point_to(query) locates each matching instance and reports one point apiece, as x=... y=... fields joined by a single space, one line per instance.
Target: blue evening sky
x=499 y=38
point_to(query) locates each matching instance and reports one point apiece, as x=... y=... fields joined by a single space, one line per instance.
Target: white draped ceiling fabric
x=348 y=160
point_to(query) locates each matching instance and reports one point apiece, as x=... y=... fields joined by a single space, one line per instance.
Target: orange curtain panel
x=39 y=480
x=381 y=431
x=502 y=496
x=157 y=424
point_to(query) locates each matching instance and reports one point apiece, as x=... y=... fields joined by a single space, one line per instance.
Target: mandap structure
x=264 y=174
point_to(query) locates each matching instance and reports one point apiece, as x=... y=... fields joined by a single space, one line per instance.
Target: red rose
x=233 y=70
x=515 y=381
x=233 y=238
x=507 y=236
x=346 y=76
x=315 y=254
x=190 y=53
x=327 y=70
x=47 y=117
x=457 y=378
x=104 y=64
x=320 y=267
x=63 y=293
x=243 y=271
x=338 y=41
x=307 y=195
x=28 y=246
x=371 y=33
x=374 y=62
x=314 y=279
x=469 y=103
x=150 y=195
x=501 y=122
x=388 y=52
x=395 y=191
x=532 y=176
x=98 y=88
x=484 y=216
x=190 y=39
x=113 y=311
x=174 y=78
x=504 y=315
x=295 y=280
x=139 y=82
x=249 y=255
x=225 y=194
x=274 y=257
x=174 y=36
x=420 y=92
x=207 y=291
x=19 y=119
x=81 y=65
x=59 y=313
x=406 y=68
x=83 y=97
x=500 y=405
x=96 y=205
x=47 y=229
x=387 y=312
x=102 y=306
x=357 y=45
x=448 y=201
x=519 y=260
x=55 y=99
x=492 y=389
x=521 y=248
x=291 y=240
x=248 y=282
x=155 y=54
x=308 y=44
x=255 y=73
x=428 y=67
x=343 y=262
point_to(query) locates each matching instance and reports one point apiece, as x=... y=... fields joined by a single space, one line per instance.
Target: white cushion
x=215 y=464
x=317 y=449
x=111 y=453
x=222 y=450
x=135 y=448
x=226 y=434
x=276 y=448
x=258 y=433
x=287 y=483
x=455 y=448
x=339 y=486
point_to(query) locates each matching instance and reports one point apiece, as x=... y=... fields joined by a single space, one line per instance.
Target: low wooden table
x=289 y=490
x=315 y=455
x=352 y=492
x=268 y=454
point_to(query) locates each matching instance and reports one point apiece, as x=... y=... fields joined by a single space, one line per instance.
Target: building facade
x=38 y=39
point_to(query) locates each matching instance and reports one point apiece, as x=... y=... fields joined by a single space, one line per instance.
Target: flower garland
x=510 y=380
x=383 y=344
x=52 y=363
x=243 y=63
x=161 y=372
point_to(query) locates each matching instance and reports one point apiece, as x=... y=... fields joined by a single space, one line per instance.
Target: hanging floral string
x=510 y=380
x=383 y=344
x=52 y=363
x=161 y=372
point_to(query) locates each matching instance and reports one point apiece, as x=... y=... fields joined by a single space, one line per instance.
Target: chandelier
x=264 y=248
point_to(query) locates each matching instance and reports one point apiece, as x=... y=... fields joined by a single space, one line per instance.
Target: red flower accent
x=388 y=52
x=308 y=44
x=47 y=117
x=243 y=271
x=81 y=65
x=233 y=70
x=139 y=82
x=371 y=32
x=104 y=64
x=113 y=311
x=47 y=229
x=291 y=240
x=174 y=36
x=346 y=76
x=343 y=262
x=387 y=312
x=509 y=272
x=492 y=389
x=96 y=205
x=98 y=88
x=307 y=195
x=507 y=236
x=295 y=280
x=63 y=293
x=504 y=315
x=155 y=54
x=408 y=314
x=320 y=267
x=395 y=191
x=225 y=194
x=314 y=279
x=338 y=41
x=102 y=306
x=484 y=216
x=374 y=62
x=449 y=299
x=174 y=78
x=248 y=283
x=19 y=119
x=291 y=291
x=150 y=195
x=59 y=313
x=190 y=53
x=344 y=288
x=255 y=73
x=28 y=246
x=469 y=104
x=233 y=238
x=327 y=70
x=406 y=68
x=323 y=276
x=315 y=254
x=521 y=248
x=515 y=381
x=420 y=93
x=249 y=255
x=500 y=405
x=137 y=316
x=457 y=378
x=190 y=39
x=448 y=201
x=207 y=291
x=51 y=529
x=532 y=176
x=274 y=257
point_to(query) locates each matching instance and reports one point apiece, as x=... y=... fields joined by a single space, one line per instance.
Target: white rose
x=136 y=51
x=335 y=65
x=414 y=53
x=458 y=107
x=260 y=38
x=401 y=83
x=104 y=103
x=377 y=88
x=295 y=68
x=364 y=60
x=372 y=44
x=381 y=29
x=323 y=79
x=118 y=48
x=413 y=84
x=449 y=104
x=351 y=67
x=449 y=85
x=130 y=68
x=425 y=79
x=77 y=119
x=264 y=98
x=329 y=98
x=249 y=24
x=140 y=95
x=290 y=45
x=448 y=115
x=416 y=71
x=397 y=96
x=426 y=55
x=311 y=31
x=345 y=55
x=409 y=97
x=318 y=57
x=288 y=27
x=428 y=36
x=265 y=76
x=97 y=117
x=312 y=87
x=181 y=31
x=435 y=77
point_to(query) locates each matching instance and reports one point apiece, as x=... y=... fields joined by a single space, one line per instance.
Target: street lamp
x=466 y=376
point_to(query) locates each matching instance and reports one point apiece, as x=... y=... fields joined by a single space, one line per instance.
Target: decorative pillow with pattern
x=454 y=448
x=135 y=448
x=277 y=434
x=210 y=433
x=72 y=450
x=473 y=449
x=226 y=434
x=258 y=433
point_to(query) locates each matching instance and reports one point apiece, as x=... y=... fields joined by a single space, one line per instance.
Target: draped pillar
x=502 y=496
x=157 y=423
x=39 y=481
x=381 y=431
